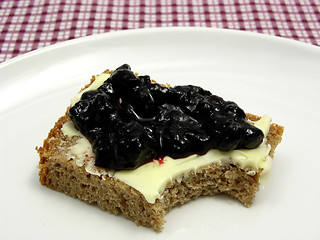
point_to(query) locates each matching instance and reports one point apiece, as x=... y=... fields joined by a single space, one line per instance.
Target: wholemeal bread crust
x=60 y=172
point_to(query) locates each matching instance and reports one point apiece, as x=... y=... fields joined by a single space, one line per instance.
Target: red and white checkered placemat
x=26 y=25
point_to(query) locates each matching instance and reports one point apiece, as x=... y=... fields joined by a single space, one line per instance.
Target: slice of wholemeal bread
x=59 y=171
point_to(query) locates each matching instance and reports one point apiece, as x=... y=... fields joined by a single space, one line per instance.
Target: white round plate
x=263 y=74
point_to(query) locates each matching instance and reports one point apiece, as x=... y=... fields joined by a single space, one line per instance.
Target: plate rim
x=175 y=30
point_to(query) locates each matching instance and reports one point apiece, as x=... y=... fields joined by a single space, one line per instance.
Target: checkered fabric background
x=26 y=25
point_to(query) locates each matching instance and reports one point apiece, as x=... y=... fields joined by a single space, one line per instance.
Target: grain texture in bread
x=60 y=172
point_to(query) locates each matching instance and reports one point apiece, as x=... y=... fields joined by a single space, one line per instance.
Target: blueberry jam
x=130 y=120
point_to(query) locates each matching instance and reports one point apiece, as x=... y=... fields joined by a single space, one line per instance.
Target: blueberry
x=107 y=88
x=233 y=110
x=145 y=79
x=131 y=149
x=143 y=102
x=123 y=80
x=80 y=114
x=123 y=67
x=88 y=95
x=252 y=137
x=232 y=136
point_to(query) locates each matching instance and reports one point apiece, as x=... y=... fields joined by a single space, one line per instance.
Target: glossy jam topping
x=162 y=172
x=130 y=121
